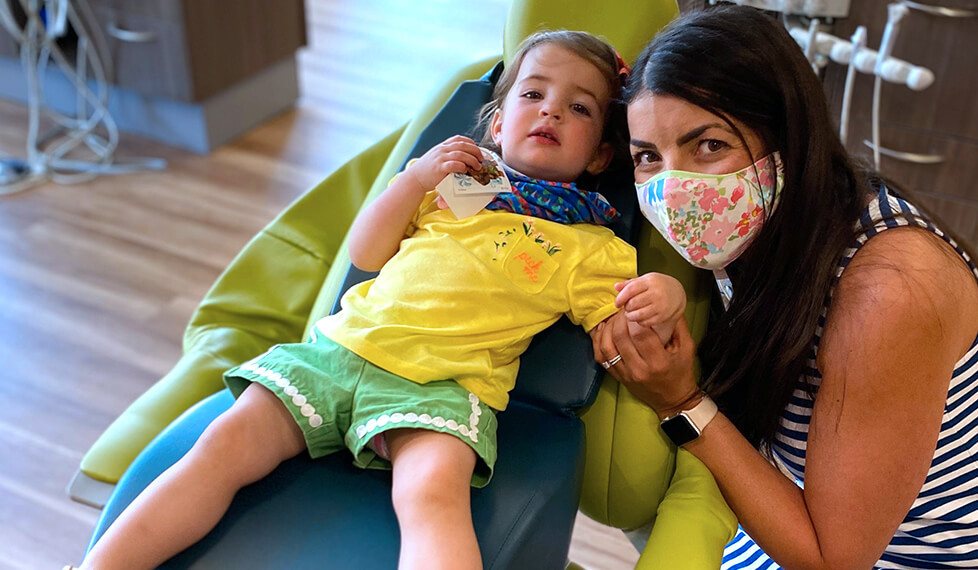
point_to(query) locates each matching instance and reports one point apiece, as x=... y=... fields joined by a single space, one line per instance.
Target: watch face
x=680 y=429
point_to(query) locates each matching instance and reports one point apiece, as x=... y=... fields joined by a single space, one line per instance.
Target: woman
x=846 y=357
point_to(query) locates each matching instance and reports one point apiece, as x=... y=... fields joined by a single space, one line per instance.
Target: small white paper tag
x=467 y=194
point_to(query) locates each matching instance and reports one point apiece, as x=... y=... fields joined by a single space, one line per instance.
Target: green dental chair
x=570 y=440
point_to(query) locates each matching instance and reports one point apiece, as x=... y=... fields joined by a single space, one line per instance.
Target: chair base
x=88 y=491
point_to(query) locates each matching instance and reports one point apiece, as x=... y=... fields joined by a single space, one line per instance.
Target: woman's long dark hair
x=740 y=64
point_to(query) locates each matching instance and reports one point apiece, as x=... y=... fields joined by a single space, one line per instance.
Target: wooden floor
x=98 y=280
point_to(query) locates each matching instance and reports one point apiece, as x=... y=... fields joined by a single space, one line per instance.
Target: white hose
x=895 y=13
x=91 y=129
x=858 y=42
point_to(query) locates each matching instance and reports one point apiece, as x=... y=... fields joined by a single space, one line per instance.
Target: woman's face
x=668 y=133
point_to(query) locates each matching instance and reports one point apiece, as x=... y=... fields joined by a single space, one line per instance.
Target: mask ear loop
x=725 y=286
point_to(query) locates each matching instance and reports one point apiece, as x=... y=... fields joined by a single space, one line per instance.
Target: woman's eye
x=582 y=109
x=644 y=157
x=713 y=145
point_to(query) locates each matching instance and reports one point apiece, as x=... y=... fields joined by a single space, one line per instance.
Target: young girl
x=409 y=374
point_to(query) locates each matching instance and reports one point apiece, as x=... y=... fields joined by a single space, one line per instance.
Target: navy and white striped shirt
x=941 y=529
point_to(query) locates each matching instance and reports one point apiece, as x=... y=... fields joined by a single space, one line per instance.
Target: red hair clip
x=623 y=68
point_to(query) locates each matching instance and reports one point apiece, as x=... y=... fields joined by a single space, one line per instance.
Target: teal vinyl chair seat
x=325 y=513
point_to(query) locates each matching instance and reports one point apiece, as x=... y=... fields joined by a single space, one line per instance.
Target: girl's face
x=550 y=123
x=668 y=133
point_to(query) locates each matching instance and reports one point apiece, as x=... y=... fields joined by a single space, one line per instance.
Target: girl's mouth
x=544 y=136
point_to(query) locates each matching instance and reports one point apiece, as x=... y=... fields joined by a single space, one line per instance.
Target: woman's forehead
x=667 y=116
x=664 y=121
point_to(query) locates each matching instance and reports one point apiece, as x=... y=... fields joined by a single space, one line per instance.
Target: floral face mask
x=710 y=219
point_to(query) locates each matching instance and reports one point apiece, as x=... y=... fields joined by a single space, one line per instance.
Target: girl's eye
x=582 y=109
x=531 y=94
x=711 y=146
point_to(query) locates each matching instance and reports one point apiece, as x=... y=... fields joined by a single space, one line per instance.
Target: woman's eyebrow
x=641 y=144
x=682 y=140
x=699 y=131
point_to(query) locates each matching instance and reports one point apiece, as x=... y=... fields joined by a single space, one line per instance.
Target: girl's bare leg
x=431 y=494
x=183 y=504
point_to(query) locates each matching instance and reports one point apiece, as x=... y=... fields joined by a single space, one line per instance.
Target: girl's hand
x=456 y=154
x=653 y=300
x=377 y=231
x=660 y=376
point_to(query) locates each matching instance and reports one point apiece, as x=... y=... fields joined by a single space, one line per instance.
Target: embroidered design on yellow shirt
x=529 y=231
x=530 y=267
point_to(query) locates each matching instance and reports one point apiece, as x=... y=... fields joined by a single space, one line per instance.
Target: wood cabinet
x=189 y=50
x=192 y=73
x=7 y=46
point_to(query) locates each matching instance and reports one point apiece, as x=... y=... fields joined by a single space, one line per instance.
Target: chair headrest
x=626 y=24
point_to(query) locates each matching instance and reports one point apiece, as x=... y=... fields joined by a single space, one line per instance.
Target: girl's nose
x=550 y=111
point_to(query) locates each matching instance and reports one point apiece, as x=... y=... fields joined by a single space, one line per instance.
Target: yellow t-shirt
x=462 y=299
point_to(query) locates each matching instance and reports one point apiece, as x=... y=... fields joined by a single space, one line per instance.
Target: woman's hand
x=457 y=154
x=661 y=376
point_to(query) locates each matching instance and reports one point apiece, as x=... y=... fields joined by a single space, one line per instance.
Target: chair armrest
x=629 y=465
x=692 y=514
x=634 y=478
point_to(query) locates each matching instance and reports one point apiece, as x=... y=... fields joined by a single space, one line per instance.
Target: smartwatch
x=687 y=425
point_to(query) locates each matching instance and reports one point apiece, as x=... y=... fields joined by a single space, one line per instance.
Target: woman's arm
x=377 y=232
x=904 y=312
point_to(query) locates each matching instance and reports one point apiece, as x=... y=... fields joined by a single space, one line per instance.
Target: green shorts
x=340 y=400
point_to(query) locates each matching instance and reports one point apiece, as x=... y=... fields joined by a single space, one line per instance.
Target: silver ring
x=609 y=363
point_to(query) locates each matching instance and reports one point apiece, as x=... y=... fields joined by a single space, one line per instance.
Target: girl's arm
x=377 y=232
x=903 y=314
